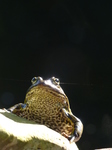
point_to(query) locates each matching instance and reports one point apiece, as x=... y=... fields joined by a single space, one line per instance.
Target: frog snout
x=78 y=126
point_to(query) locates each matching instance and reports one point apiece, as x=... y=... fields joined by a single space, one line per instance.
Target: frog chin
x=78 y=126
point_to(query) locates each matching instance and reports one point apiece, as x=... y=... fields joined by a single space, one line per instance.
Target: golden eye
x=55 y=81
x=34 y=80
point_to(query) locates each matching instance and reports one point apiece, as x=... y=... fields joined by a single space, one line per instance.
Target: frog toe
x=74 y=137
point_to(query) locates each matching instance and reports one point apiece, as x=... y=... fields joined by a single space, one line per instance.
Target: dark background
x=70 y=40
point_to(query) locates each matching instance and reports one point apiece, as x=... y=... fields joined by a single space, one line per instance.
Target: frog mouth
x=78 y=126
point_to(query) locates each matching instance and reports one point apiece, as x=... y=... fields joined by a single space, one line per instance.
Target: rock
x=20 y=134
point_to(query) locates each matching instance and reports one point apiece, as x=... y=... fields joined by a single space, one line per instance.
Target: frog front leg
x=78 y=127
x=17 y=109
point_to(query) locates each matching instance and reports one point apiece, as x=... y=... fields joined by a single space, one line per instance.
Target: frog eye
x=34 y=80
x=55 y=81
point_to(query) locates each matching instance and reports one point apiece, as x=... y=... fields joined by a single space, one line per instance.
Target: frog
x=47 y=104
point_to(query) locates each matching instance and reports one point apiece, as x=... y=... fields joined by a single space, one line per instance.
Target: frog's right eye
x=34 y=80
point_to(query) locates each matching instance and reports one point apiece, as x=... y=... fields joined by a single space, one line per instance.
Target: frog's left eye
x=55 y=81
x=34 y=80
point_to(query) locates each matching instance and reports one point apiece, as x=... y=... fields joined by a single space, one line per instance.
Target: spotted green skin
x=47 y=104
